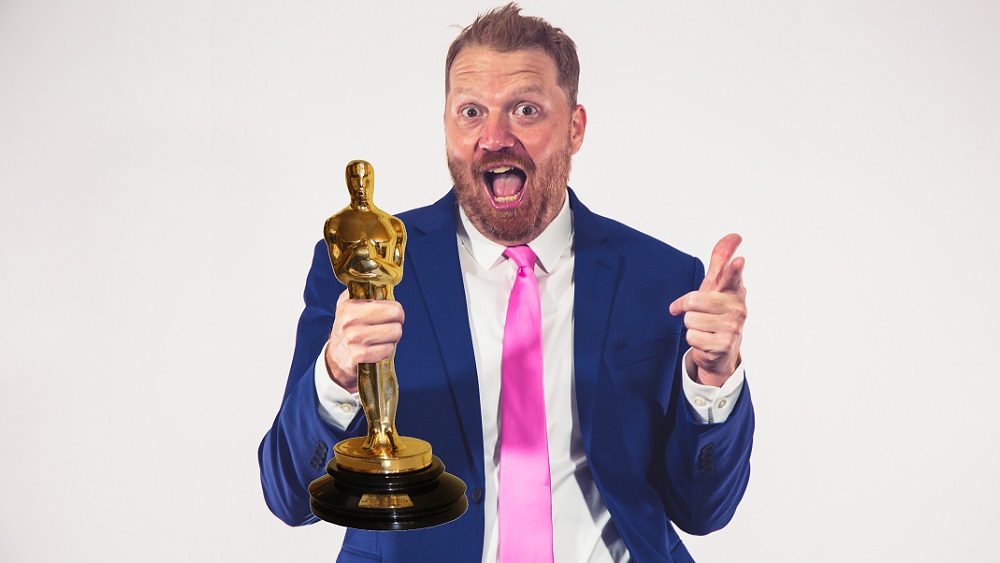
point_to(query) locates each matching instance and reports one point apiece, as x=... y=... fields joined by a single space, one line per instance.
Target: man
x=647 y=420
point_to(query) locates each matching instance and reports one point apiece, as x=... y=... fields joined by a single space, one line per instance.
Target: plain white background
x=165 y=169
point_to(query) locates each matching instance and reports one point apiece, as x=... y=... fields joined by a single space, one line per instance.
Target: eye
x=470 y=112
x=525 y=110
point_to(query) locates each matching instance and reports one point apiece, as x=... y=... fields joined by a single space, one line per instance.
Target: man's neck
x=548 y=245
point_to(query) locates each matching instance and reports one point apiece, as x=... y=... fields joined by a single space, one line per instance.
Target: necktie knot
x=522 y=255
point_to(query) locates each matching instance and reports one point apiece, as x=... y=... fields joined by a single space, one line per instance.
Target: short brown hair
x=505 y=30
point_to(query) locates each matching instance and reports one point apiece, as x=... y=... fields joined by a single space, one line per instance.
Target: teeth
x=501 y=169
x=506 y=199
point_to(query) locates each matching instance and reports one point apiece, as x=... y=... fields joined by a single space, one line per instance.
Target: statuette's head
x=360 y=178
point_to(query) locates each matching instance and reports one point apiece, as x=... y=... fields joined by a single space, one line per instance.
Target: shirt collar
x=548 y=246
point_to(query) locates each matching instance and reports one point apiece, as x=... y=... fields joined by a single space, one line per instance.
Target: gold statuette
x=382 y=481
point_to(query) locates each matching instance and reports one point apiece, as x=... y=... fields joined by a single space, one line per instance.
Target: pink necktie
x=524 y=499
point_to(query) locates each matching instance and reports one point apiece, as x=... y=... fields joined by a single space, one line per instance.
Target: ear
x=577 y=127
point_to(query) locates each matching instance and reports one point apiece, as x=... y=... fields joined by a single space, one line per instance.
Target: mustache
x=503 y=156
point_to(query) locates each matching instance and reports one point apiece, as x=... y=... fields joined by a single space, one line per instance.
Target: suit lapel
x=596 y=276
x=432 y=262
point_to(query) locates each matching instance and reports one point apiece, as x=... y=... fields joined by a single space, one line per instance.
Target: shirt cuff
x=337 y=406
x=710 y=405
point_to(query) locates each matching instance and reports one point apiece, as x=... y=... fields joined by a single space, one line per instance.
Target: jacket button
x=706 y=459
x=319 y=456
x=476 y=495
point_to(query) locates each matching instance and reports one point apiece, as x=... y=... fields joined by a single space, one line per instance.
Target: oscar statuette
x=382 y=481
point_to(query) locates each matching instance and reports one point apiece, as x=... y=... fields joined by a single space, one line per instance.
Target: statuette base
x=388 y=501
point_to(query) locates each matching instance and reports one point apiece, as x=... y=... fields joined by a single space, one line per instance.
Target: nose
x=496 y=133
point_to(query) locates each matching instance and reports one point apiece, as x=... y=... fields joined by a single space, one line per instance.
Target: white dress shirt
x=579 y=515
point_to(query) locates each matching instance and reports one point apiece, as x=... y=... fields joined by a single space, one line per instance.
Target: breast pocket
x=647 y=369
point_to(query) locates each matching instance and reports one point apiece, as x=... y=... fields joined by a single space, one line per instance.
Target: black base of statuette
x=388 y=501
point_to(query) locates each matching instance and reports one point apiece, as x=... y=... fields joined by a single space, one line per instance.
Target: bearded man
x=645 y=415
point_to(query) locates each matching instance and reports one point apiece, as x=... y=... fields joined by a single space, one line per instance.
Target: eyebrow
x=532 y=89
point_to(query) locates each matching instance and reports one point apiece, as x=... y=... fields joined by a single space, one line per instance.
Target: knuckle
x=740 y=311
x=688 y=320
x=729 y=341
x=345 y=321
x=348 y=335
x=694 y=338
x=734 y=328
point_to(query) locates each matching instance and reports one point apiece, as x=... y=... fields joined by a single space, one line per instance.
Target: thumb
x=677 y=307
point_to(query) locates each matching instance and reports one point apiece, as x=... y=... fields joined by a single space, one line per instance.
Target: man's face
x=510 y=133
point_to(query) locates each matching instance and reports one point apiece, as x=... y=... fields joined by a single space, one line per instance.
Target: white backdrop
x=165 y=169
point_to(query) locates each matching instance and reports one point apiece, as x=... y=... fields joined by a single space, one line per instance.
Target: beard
x=544 y=193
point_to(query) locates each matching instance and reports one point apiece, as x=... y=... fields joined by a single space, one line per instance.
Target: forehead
x=477 y=67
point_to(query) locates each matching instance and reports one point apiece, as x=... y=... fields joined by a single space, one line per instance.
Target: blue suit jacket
x=652 y=463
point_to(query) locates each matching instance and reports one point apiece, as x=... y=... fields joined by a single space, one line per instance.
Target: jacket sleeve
x=295 y=450
x=708 y=465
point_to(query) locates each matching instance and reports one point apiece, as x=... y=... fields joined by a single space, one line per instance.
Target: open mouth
x=505 y=185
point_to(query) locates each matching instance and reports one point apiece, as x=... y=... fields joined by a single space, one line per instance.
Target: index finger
x=721 y=255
